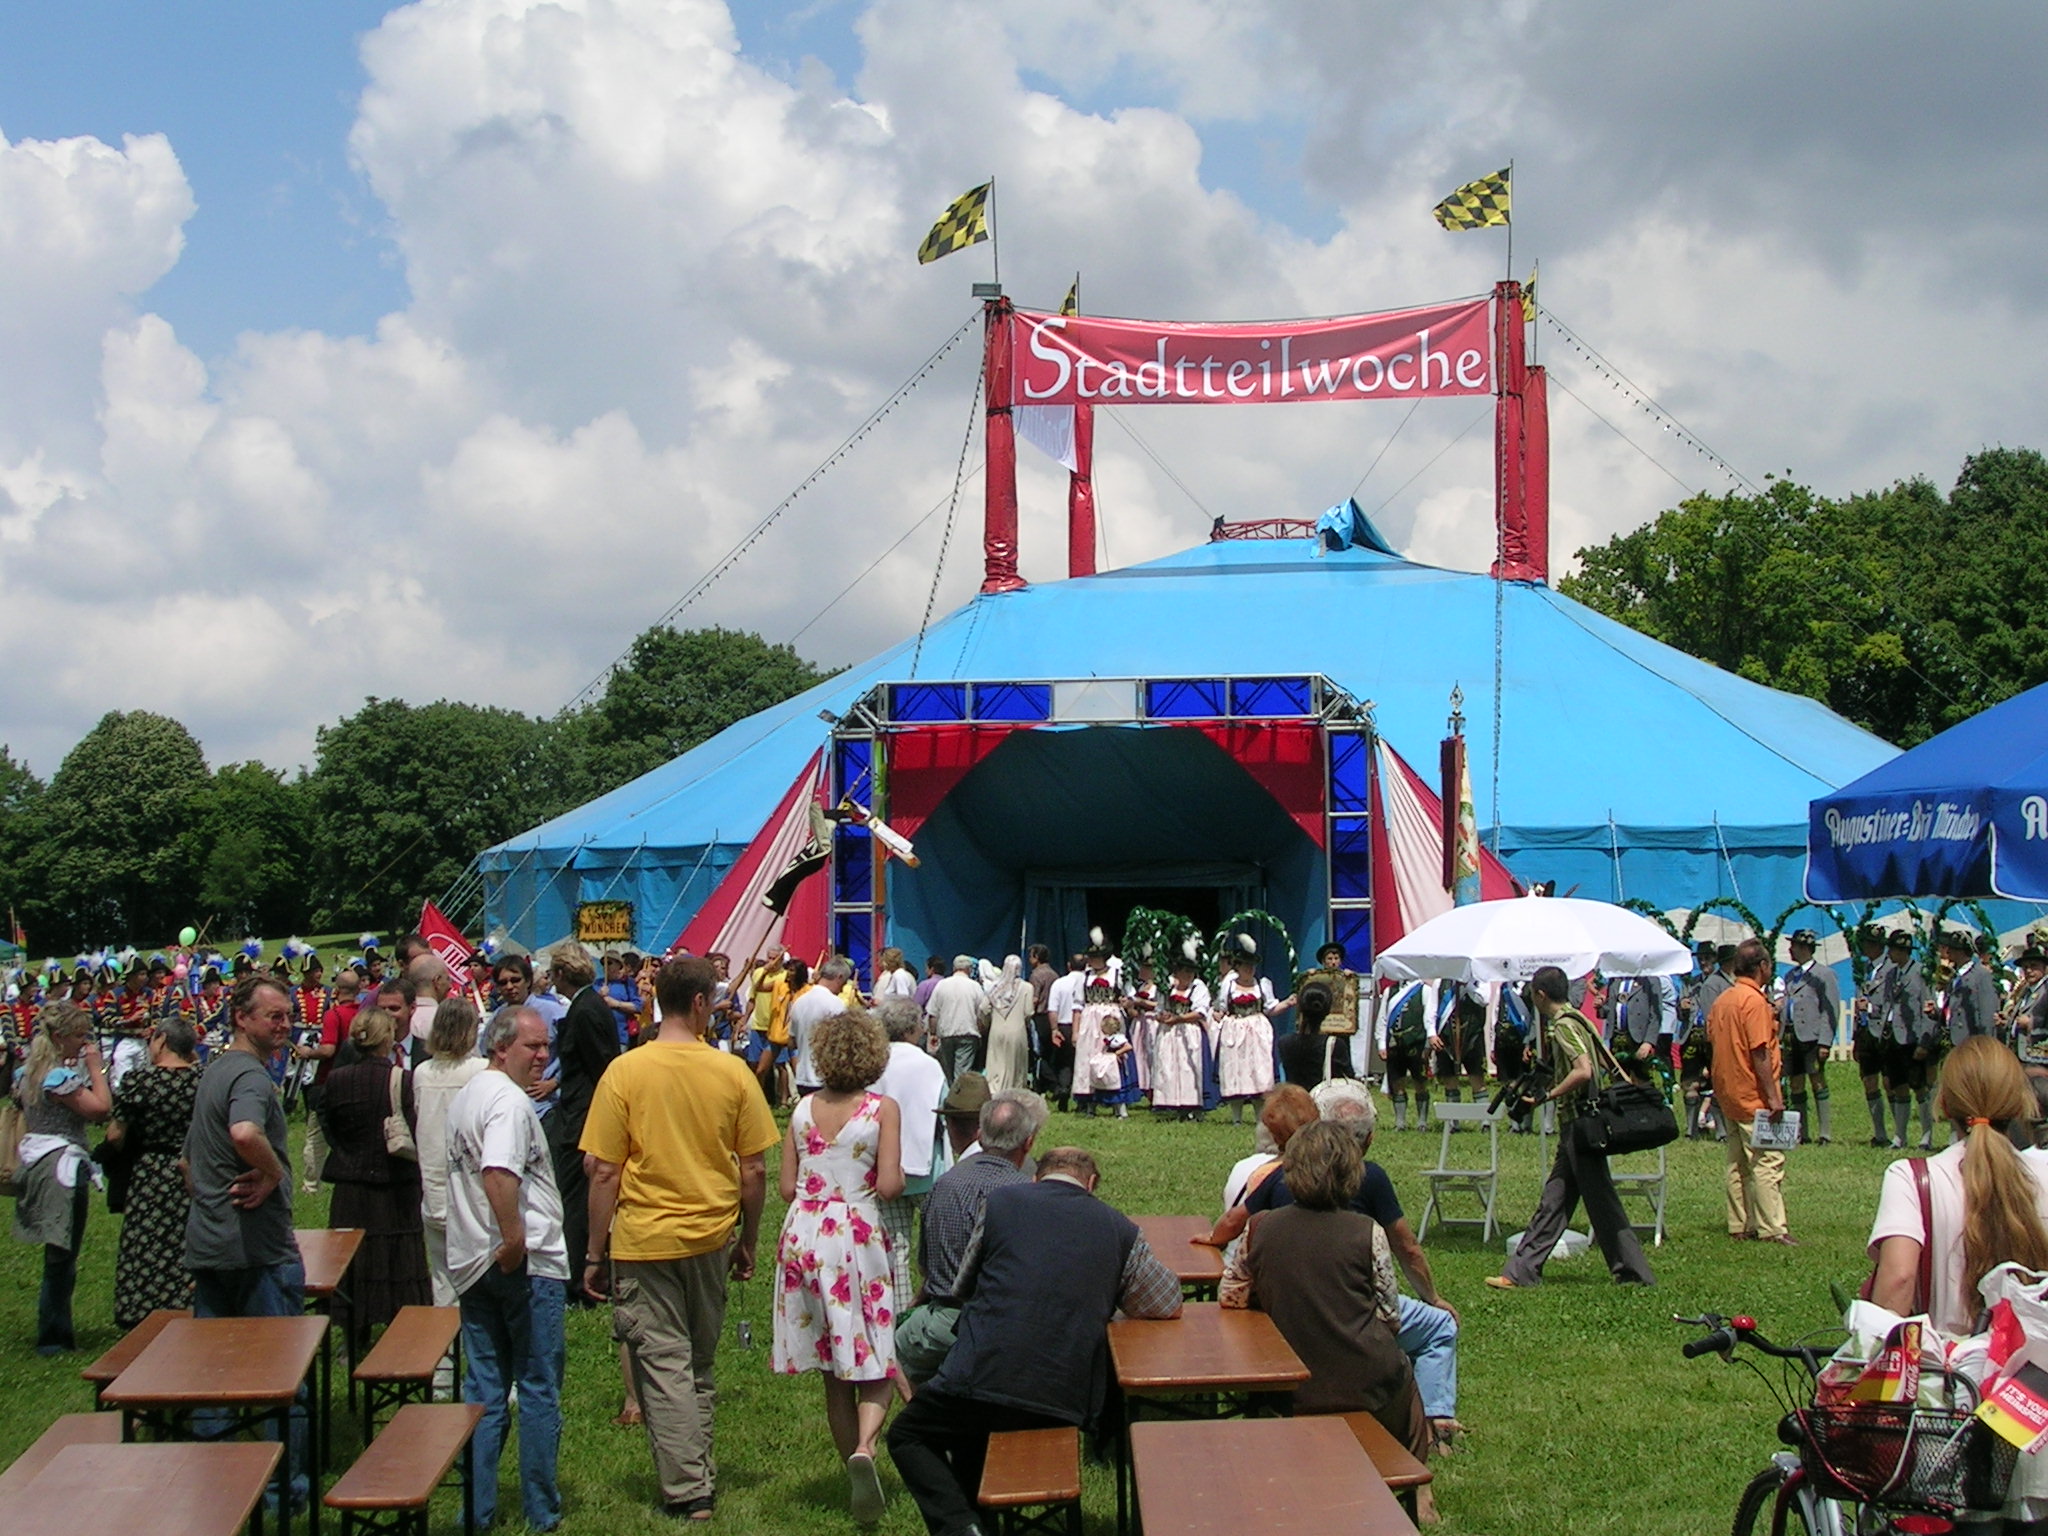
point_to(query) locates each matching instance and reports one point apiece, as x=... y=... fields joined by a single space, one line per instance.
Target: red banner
x=1409 y=354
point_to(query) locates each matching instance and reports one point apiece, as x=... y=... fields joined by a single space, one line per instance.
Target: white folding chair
x=1446 y=1180
x=1647 y=1187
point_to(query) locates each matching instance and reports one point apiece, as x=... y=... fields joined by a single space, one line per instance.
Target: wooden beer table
x=1198 y=1267
x=1229 y=1477
x=1210 y=1362
x=166 y=1490
x=250 y=1369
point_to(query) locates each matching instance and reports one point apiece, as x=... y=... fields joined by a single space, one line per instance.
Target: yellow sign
x=604 y=922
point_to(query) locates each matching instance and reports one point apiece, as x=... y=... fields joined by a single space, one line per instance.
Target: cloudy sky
x=436 y=351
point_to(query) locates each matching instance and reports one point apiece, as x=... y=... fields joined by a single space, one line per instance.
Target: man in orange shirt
x=1742 y=1031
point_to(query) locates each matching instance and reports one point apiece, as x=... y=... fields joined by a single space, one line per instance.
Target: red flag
x=446 y=941
x=20 y=938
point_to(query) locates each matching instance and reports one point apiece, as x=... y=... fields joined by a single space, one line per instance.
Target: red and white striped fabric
x=733 y=922
x=1408 y=850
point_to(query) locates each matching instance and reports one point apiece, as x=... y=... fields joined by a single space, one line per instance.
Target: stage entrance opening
x=1042 y=810
x=1109 y=908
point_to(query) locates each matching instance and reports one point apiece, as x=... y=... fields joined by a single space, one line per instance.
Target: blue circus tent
x=1628 y=770
x=1964 y=813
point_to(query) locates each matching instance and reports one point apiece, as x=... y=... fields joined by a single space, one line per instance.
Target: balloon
x=181 y=970
x=188 y=936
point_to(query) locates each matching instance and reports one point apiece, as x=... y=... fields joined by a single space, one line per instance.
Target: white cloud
x=654 y=283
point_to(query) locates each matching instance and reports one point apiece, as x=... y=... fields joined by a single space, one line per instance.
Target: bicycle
x=1861 y=1471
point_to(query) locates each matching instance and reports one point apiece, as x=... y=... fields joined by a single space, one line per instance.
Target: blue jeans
x=512 y=1335
x=60 y=1275
x=258 y=1290
x=1429 y=1338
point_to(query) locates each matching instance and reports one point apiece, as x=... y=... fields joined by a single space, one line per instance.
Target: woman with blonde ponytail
x=1989 y=1199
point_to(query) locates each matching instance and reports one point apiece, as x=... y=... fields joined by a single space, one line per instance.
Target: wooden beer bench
x=400 y=1368
x=392 y=1482
x=1031 y=1482
x=102 y=1371
x=1399 y=1468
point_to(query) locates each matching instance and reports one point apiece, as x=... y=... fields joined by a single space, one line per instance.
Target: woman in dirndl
x=1141 y=1008
x=1181 y=1047
x=1245 y=1006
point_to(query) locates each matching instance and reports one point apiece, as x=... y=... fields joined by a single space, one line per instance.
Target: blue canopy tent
x=1627 y=769
x=1962 y=814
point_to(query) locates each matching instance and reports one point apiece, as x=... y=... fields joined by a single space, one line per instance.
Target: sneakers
x=864 y=1488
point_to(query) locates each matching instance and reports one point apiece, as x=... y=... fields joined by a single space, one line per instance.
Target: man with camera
x=1566 y=1050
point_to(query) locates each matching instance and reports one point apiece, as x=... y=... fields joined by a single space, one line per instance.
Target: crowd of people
x=517 y=1142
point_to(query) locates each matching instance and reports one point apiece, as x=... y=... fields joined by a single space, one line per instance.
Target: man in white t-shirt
x=958 y=1009
x=510 y=1261
x=811 y=1008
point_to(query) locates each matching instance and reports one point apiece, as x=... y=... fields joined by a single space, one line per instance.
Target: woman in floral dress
x=152 y=1113
x=834 y=1308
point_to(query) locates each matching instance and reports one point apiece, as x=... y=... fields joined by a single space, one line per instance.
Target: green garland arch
x=1155 y=935
x=1733 y=904
x=1225 y=949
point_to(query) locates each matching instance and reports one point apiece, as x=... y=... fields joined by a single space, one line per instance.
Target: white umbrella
x=1511 y=939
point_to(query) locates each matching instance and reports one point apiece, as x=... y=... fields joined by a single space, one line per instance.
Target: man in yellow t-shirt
x=677 y=1140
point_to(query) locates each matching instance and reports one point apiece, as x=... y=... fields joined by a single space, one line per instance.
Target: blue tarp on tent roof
x=1964 y=813
x=1627 y=768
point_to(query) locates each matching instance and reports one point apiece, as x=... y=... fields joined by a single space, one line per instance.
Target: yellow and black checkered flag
x=1529 y=295
x=1071 y=304
x=965 y=223
x=1477 y=204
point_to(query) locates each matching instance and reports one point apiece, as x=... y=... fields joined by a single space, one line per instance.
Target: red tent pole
x=1511 y=523
x=999 y=520
x=1536 y=471
x=1081 y=496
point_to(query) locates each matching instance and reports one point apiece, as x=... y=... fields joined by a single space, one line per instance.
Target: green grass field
x=1584 y=1417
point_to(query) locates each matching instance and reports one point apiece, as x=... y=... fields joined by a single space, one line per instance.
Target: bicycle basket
x=1899 y=1457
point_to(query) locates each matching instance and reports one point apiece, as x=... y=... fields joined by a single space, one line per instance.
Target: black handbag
x=1625 y=1116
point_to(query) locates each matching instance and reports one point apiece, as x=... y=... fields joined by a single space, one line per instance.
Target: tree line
x=134 y=835
x=1903 y=609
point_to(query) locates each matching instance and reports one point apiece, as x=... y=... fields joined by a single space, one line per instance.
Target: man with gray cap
x=1811 y=1012
x=959 y=1012
x=1912 y=1040
x=1972 y=992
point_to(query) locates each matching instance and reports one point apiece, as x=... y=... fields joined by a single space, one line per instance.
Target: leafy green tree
x=1900 y=609
x=23 y=845
x=253 y=830
x=403 y=796
x=678 y=689
x=120 y=859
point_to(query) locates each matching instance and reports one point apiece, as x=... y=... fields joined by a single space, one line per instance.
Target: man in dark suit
x=585 y=1045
